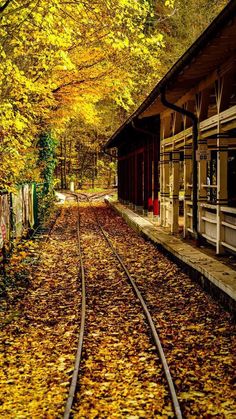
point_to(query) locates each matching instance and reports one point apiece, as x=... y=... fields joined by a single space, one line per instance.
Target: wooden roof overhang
x=215 y=46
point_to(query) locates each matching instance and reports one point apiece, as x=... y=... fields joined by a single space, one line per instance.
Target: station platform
x=216 y=277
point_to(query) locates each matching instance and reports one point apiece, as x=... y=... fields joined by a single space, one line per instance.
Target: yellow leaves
x=62 y=364
x=192 y=395
x=120 y=373
x=20 y=124
x=40 y=337
x=197 y=334
x=169 y=3
x=80 y=49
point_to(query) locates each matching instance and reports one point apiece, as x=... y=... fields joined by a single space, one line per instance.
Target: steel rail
x=48 y=234
x=78 y=355
x=41 y=228
x=155 y=336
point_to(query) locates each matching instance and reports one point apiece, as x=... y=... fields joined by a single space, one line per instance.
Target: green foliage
x=47 y=163
x=47 y=160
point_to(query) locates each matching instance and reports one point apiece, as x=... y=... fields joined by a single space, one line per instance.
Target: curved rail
x=74 y=378
x=155 y=336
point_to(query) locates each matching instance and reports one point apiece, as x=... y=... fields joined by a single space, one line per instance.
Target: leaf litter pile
x=39 y=338
x=198 y=336
x=120 y=374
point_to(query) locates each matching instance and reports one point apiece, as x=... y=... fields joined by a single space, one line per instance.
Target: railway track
x=120 y=373
x=198 y=335
x=70 y=408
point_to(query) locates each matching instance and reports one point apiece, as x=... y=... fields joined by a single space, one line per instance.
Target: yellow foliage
x=61 y=59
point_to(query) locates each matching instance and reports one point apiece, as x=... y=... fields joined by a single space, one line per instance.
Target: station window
x=232 y=178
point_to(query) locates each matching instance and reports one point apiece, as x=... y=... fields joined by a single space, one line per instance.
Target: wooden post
x=174 y=193
x=202 y=180
x=187 y=182
x=222 y=189
x=146 y=178
x=132 y=196
x=139 y=174
x=165 y=156
x=150 y=179
x=222 y=171
x=156 y=210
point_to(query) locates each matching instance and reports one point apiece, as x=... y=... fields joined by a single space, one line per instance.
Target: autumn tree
x=182 y=26
x=68 y=61
x=58 y=57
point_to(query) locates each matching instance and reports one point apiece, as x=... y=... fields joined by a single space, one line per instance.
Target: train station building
x=177 y=152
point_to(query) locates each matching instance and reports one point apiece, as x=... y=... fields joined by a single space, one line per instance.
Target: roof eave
x=220 y=21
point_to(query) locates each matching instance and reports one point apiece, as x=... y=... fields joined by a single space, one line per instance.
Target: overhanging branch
x=78 y=82
x=2 y=8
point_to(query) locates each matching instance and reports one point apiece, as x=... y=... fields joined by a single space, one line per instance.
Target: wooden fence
x=18 y=214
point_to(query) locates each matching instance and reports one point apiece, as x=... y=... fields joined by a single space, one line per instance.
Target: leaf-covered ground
x=197 y=334
x=39 y=338
x=120 y=375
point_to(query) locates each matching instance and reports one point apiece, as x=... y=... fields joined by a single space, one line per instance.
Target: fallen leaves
x=39 y=342
x=197 y=334
x=120 y=374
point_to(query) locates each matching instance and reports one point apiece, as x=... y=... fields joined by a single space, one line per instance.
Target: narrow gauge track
x=42 y=233
x=198 y=335
x=155 y=337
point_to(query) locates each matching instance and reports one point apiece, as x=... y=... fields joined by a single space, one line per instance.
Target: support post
x=156 y=153
x=174 y=193
x=165 y=156
x=146 y=179
x=139 y=177
x=222 y=189
x=202 y=179
x=150 y=179
x=187 y=182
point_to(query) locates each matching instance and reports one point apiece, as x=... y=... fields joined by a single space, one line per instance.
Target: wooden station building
x=177 y=152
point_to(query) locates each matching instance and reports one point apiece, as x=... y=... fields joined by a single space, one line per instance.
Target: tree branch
x=78 y=82
x=2 y=8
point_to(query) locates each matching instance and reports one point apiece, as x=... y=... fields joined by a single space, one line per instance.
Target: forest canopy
x=74 y=70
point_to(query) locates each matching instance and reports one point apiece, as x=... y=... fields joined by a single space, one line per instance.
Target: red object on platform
x=156 y=207
x=150 y=204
